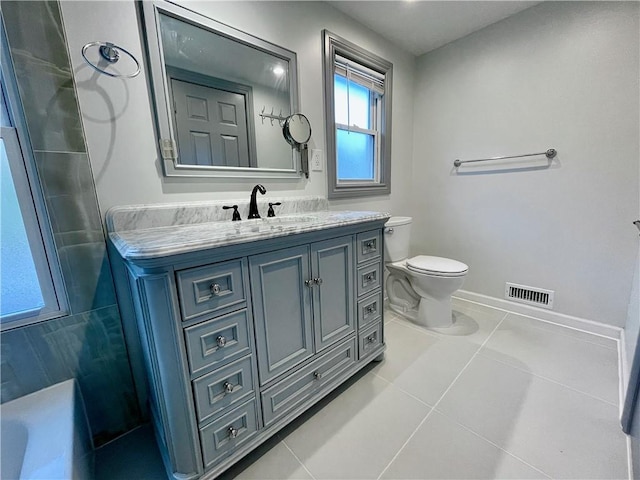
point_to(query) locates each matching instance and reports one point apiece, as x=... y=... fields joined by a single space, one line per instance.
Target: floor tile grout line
x=450 y=418
x=406 y=323
x=469 y=362
x=299 y=461
x=418 y=328
x=542 y=377
x=402 y=390
x=560 y=325
x=441 y=397
x=405 y=443
x=562 y=334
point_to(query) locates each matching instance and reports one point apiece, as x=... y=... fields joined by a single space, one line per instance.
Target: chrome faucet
x=253 y=206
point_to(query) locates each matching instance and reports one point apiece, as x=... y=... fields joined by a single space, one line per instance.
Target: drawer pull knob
x=221 y=341
x=317 y=281
x=371 y=339
x=370 y=309
x=371 y=245
x=228 y=387
x=233 y=432
x=317 y=375
x=369 y=277
x=215 y=289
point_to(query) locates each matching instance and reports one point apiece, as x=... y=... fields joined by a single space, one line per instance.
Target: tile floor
x=506 y=396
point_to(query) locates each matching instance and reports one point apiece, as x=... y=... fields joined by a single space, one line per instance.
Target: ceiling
x=422 y=26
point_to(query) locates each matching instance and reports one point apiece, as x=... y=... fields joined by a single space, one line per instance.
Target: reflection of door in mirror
x=211 y=85
x=212 y=120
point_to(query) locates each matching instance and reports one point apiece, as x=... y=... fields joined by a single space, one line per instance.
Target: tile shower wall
x=88 y=344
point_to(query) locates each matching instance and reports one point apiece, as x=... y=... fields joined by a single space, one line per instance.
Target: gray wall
x=87 y=344
x=561 y=75
x=117 y=114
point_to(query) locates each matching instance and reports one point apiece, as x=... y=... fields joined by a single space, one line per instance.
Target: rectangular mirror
x=216 y=90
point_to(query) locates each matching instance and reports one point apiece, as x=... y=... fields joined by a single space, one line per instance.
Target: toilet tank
x=396 y=238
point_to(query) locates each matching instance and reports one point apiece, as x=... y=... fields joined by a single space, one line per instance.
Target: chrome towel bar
x=549 y=154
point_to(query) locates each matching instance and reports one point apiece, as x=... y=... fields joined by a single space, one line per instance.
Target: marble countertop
x=135 y=243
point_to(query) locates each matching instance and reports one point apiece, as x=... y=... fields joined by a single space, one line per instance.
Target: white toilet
x=419 y=287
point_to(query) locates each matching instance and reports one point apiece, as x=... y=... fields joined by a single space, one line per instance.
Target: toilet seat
x=436 y=266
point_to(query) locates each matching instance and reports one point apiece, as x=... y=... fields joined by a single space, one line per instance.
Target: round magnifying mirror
x=297 y=130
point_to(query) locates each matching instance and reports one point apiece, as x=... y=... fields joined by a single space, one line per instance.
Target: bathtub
x=45 y=435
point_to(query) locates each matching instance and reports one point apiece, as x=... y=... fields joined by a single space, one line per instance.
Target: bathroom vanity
x=236 y=328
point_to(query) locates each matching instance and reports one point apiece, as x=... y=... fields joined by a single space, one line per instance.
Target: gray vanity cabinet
x=331 y=262
x=302 y=302
x=230 y=344
x=282 y=309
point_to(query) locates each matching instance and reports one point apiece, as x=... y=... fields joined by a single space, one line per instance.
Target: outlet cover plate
x=316 y=160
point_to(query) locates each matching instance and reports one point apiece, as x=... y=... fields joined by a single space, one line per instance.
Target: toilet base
x=433 y=315
x=424 y=301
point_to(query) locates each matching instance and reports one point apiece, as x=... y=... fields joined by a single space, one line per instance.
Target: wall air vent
x=538 y=297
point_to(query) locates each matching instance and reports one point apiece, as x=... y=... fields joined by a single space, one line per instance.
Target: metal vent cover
x=538 y=297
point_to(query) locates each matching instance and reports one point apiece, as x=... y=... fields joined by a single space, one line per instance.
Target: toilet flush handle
x=389 y=230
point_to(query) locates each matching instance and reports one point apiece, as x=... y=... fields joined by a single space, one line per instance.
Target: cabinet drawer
x=369 y=245
x=292 y=391
x=224 y=387
x=369 y=340
x=212 y=289
x=369 y=278
x=369 y=309
x=222 y=436
x=217 y=342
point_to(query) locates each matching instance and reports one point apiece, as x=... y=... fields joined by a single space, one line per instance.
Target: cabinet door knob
x=221 y=341
x=317 y=281
x=317 y=375
x=309 y=283
x=233 y=432
x=215 y=289
x=228 y=387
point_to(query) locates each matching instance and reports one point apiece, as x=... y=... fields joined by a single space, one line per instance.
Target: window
x=29 y=282
x=357 y=89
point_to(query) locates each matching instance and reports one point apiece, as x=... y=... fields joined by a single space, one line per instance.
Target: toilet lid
x=436 y=266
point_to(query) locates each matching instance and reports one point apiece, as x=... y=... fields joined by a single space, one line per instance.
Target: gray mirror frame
x=151 y=11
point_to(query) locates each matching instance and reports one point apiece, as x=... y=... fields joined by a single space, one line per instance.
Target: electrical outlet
x=316 y=160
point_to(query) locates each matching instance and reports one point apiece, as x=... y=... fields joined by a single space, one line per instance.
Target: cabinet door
x=282 y=309
x=332 y=267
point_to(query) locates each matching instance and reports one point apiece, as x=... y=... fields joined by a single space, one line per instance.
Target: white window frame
x=375 y=107
x=366 y=65
x=31 y=201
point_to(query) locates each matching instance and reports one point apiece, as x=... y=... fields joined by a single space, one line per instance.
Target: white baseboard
x=583 y=324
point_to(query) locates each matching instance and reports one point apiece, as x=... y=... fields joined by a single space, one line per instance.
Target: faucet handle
x=236 y=214
x=270 y=212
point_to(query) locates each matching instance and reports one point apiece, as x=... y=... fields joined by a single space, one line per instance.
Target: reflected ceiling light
x=278 y=70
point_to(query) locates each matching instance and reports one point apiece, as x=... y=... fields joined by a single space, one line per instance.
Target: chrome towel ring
x=111 y=53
